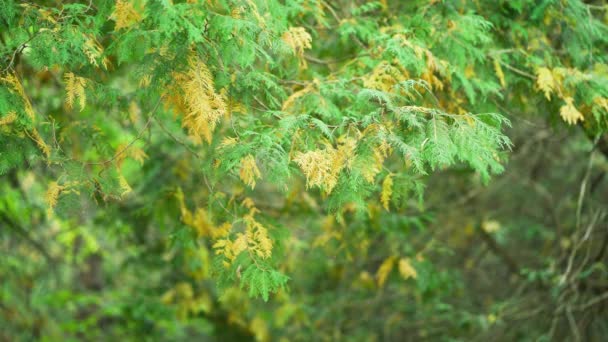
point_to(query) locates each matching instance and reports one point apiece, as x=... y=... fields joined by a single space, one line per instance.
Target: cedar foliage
x=228 y=147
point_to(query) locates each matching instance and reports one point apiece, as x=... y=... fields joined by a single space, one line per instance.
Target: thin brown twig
x=19 y=50
x=517 y=71
x=176 y=139
x=139 y=135
x=593 y=301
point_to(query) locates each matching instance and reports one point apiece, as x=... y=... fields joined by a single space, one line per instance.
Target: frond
x=51 y=196
x=9 y=118
x=384 y=270
x=406 y=270
x=75 y=89
x=249 y=171
x=545 y=81
x=125 y=14
x=204 y=107
x=387 y=191
x=569 y=113
x=298 y=40
x=14 y=82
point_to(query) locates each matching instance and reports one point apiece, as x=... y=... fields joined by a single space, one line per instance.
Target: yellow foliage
x=221 y=231
x=93 y=50
x=121 y=154
x=134 y=112
x=13 y=81
x=200 y=268
x=35 y=136
x=239 y=245
x=254 y=239
x=329 y=232
x=569 y=113
x=75 y=89
x=344 y=153
x=322 y=167
x=186 y=301
x=387 y=191
x=125 y=14
x=316 y=165
x=124 y=185
x=145 y=81
x=256 y=13
x=257 y=237
x=228 y=141
x=124 y=150
x=236 y=12
x=51 y=196
x=384 y=270
x=138 y=154
x=249 y=171
x=602 y=102
x=225 y=248
x=248 y=203
x=490 y=226
x=545 y=81
x=199 y=221
x=325 y=237
x=298 y=40
x=366 y=279
x=9 y=118
x=203 y=107
x=232 y=105
x=310 y=88
x=406 y=270
x=402 y=38
x=469 y=71
x=432 y=66
x=492 y=318
x=259 y=328
x=384 y=77
x=499 y=73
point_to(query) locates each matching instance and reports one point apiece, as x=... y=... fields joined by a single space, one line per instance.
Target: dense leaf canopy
x=303 y=170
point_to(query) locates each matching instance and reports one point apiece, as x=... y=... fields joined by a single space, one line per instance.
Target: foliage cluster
x=298 y=169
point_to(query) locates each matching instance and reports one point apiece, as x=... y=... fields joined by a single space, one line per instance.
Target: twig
x=581 y=196
x=517 y=71
x=152 y=114
x=593 y=301
x=164 y=129
x=331 y=10
x=19 y=50
x=500 y=252
x=573 y=326
x=598 y=7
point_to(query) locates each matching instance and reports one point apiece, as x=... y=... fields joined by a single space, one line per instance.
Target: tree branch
x=499 y=251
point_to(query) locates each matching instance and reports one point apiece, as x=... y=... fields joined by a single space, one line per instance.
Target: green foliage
x=166 y=165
